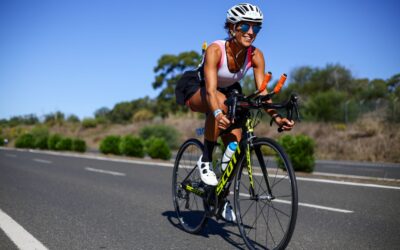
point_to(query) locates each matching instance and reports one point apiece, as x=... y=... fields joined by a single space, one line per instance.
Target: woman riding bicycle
x=225 y=64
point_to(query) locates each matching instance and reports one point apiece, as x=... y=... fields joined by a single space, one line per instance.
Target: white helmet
x=244 y=12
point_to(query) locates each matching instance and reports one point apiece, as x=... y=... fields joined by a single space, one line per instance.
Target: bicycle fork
x=269 y=196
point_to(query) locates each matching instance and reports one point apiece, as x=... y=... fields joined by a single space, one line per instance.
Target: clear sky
x=77 y=56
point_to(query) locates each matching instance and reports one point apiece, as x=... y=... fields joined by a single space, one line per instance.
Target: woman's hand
x=222 y=121
x=284 y=123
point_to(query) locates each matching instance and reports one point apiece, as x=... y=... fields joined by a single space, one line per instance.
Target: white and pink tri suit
x=225 y=77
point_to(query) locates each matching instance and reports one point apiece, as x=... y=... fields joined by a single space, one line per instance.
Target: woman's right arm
x=213 y=55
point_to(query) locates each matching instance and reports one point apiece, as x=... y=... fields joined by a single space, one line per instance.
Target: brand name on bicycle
x=228 y=171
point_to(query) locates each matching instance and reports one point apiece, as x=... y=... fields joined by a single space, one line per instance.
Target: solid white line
x=308 y=205
x=336 y=182
x=42 y=161
x=104 y=171
x=22 y=238
x=141 y=162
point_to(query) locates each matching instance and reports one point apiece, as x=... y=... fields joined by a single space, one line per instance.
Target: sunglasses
x=245 y=27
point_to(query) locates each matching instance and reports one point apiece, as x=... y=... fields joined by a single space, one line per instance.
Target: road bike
x=265 y=189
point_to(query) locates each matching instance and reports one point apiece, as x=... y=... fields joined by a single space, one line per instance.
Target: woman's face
x=246 y=32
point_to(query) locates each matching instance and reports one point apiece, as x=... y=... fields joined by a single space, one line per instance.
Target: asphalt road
x=79 y=203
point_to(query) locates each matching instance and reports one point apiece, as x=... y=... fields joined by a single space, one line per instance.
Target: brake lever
x=231 y=102
x=289 y=110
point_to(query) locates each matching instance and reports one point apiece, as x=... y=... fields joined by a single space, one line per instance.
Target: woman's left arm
x=258 y=63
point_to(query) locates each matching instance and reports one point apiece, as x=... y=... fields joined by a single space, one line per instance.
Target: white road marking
x=42 y=161
x=104 y=171
x=11 y=155
x=21 y=238
x=336 y=182
x=302 y=204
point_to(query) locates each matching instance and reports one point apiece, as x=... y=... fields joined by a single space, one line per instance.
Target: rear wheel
x=190 y=208
x=267 y=214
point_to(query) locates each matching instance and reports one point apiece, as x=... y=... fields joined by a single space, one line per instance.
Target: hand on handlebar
x=222 y=121
x=284 y=123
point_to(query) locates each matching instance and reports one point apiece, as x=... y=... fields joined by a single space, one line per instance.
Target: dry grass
x=365 y=140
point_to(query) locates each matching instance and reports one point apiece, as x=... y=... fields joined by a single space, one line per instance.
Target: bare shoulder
x=257 y=52
x=214 y=49
x=213 y=53
x=257 y=57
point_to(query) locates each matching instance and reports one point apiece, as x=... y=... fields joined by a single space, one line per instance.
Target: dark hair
x=226 y=27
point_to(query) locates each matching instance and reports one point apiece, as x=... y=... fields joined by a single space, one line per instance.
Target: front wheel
x=267 y=210
x=190 y=208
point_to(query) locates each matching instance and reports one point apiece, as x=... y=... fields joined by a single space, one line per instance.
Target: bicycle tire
x=190 y=208
x=272 y=232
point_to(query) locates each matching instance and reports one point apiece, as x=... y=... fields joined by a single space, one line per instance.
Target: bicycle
x=269 y=182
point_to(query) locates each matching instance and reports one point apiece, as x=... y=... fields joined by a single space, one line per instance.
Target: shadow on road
x=212 y=228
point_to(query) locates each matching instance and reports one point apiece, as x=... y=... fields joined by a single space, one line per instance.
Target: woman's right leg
x=198 y=103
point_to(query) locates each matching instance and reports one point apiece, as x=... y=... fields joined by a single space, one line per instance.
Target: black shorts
x=187 y=85
x=191 y=81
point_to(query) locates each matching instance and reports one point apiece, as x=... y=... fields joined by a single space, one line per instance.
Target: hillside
x=367 y=139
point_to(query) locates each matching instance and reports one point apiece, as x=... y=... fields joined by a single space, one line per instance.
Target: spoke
x=243 y=215
x=197 y=206
x=246 y=199
x=280 y=224
x=182 y=203
x=273 y=207
x=257 y=216
x=244 y=186
x=283 y=196
x=276 y=183
x=260 y=187
x=266 y=222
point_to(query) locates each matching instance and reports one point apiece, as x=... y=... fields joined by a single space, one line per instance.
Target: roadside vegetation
x=347 y=118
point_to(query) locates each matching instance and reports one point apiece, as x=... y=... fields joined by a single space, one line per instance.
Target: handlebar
x=238 y=101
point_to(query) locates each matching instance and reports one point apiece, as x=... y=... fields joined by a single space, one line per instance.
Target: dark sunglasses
x=244 y=27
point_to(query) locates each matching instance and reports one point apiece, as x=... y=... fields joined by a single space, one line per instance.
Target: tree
x=102 y=112
x=168 y=70
x=394 y=84
x=121 y=113
x=54 y=118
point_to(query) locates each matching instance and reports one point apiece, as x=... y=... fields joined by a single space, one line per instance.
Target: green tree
x=73 y=119
x=56 y=118
x=121 y=113
x=168 y=70
x=102 y=112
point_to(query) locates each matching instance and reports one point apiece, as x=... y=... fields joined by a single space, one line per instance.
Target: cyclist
x=225 y=64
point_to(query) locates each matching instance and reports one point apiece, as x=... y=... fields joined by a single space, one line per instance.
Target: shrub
x=300 y=149
x=78 y=145
x=53 y=140
x=89 y=123
x=41 y=142
x=131 y=146
x=143 y=115
x=157 y=148
x=41 y=135
x=25 y=141
x=110 y=145
x=326 y=106
x=1 y=141
x=64 y=144
x=169 y=134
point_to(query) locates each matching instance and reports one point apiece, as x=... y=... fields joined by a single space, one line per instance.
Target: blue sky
x=78 y=56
